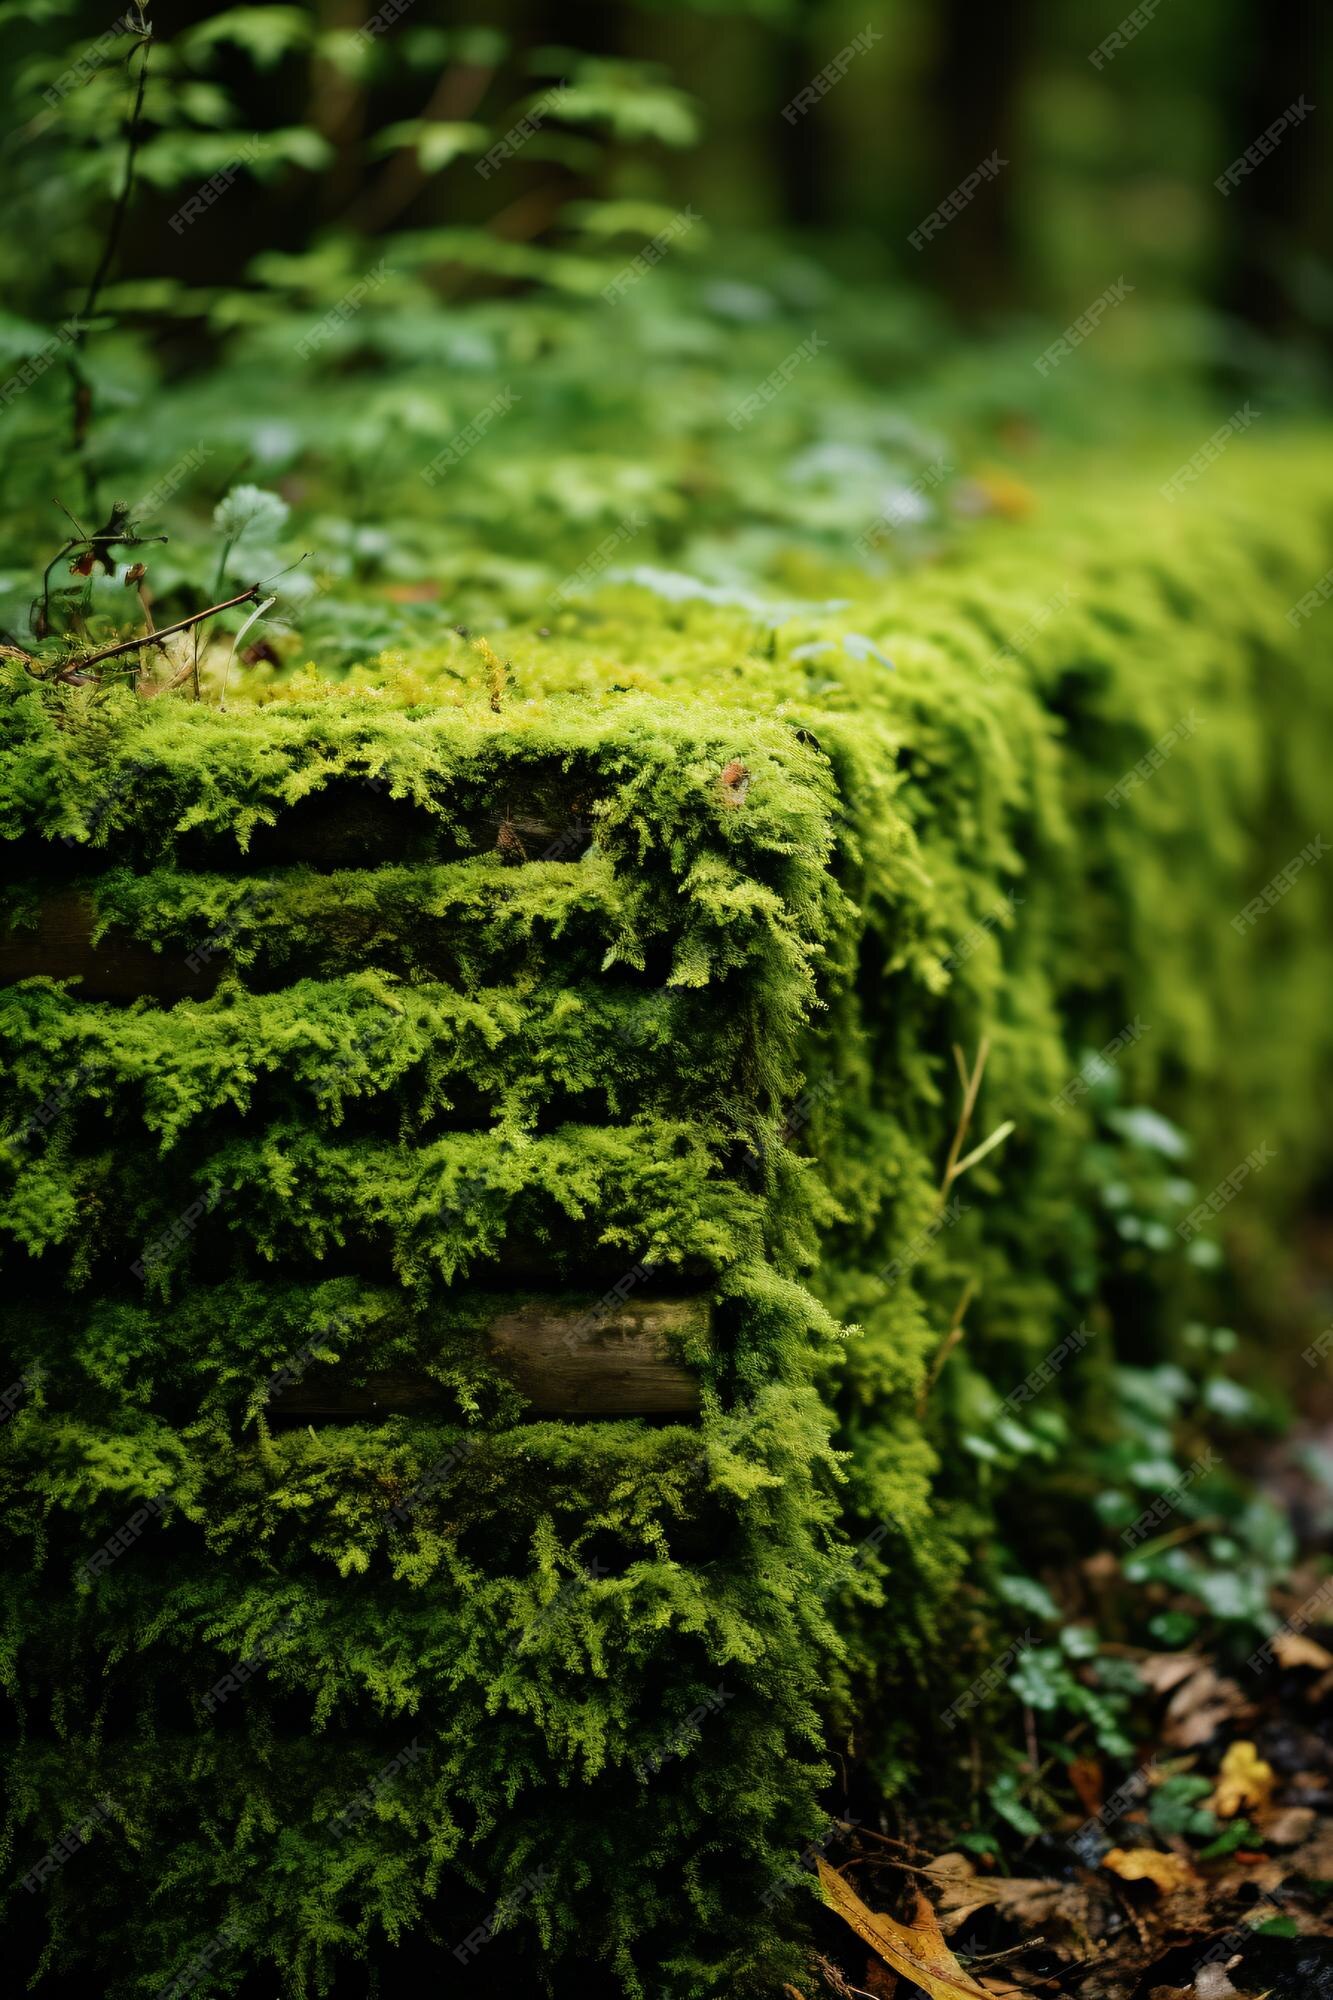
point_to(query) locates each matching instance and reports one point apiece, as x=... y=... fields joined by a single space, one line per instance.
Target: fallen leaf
x=1166 y=1872
x=1085 y=1775
x=1290 y=1826
x=1199 y=1707
x=1245 y=1782
x=1293 y=1649
x=915 y=1951
x=1163 y=1671
x=1315 y=1859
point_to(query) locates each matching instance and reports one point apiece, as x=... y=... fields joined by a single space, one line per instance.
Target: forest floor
x=1202 y=1871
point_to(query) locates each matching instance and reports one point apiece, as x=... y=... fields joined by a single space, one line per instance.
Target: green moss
x=720 y=1042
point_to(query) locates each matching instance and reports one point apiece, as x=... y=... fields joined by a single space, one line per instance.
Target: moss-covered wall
x=588 y=1671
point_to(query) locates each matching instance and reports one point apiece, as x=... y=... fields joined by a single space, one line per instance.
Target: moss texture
x=604 y=1659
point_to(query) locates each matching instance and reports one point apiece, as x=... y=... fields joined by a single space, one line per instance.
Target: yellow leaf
x=916 y=1950
x=1244 y=1784
x=1166 y=1872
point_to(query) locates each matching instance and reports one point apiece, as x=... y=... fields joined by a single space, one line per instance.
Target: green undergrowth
x=713 y=1039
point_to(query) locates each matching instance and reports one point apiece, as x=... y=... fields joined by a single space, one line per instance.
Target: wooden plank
x=119 y=968
x=569 y=1360
x=593 y=1362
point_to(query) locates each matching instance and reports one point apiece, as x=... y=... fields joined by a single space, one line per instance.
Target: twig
x=971 y=1088
x=955 y=1167
x=83 y=398
x=947 y=1345
x=166 y=632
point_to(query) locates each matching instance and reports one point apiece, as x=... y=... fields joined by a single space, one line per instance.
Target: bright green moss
x=719 y=1042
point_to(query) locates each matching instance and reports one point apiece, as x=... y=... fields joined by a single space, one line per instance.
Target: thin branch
x=83 y=397
x=970 y=1092
x=947 y=1345
x=166 y=632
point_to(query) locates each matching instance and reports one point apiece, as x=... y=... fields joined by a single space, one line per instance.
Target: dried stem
x=155 y=638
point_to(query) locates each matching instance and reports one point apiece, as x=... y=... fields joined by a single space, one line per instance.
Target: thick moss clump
x=659 y=967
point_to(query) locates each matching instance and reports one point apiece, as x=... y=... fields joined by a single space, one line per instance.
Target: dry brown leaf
x=1244 y=1784
x=915 y=1951
x=1085 y=1775
x=1199 y=1707
x=1290 y=1826
x=1315 y=1859
x=1164 y=1671
x=1166 y=1872
x=1293 y=1649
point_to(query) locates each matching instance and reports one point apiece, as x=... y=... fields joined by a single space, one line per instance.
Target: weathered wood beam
x=119 y=968
x=569 y=1360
